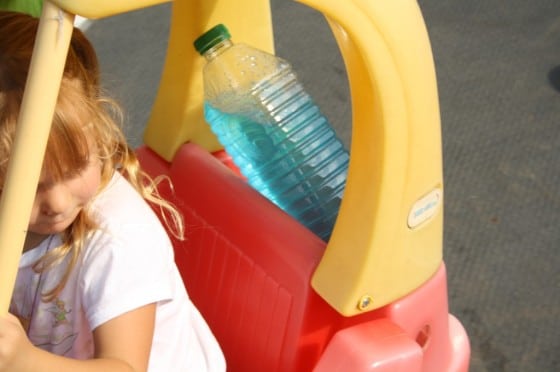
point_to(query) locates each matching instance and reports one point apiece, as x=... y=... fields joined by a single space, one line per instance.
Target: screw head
x=365 y=302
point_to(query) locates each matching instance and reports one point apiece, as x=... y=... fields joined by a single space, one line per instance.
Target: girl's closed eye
x=59 y=200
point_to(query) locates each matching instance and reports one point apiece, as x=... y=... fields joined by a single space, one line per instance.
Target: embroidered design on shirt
x=59 y=312
x=54 y=328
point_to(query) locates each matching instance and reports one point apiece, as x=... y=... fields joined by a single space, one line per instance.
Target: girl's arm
x=121 y=344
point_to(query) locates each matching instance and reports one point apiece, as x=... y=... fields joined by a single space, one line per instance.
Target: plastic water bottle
x=273 y=130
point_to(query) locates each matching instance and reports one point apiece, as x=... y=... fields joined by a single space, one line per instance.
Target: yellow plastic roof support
x=95 y=9
x=177 y=115
x=387 y=240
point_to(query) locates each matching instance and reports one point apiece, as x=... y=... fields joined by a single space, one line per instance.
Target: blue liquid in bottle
x=281 y=142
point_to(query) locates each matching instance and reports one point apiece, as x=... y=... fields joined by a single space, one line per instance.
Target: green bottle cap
x=211 y=37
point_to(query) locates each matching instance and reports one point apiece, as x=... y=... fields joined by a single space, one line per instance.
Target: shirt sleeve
x=127 y=263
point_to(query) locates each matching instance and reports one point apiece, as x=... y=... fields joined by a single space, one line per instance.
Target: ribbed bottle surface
x=287 y=149
x=273 y=130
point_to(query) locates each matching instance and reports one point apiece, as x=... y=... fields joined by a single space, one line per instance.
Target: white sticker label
x=425 y=208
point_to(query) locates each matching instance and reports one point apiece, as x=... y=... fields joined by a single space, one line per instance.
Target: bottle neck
x=217 y=49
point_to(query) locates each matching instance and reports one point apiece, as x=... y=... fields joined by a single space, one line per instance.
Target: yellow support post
x=34 y=123
x=387 y=240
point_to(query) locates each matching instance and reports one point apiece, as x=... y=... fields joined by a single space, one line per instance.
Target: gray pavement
x=498 y=68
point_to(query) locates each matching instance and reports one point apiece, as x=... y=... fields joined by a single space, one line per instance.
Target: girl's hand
x=15 y=347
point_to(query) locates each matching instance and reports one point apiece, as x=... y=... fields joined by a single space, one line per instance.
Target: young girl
x=97 y=287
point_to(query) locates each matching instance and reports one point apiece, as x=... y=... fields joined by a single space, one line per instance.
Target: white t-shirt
x=127 y=263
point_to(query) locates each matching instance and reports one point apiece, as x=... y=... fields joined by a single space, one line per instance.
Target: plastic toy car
x=277 y=297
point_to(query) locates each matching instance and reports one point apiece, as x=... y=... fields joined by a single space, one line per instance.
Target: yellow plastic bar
x=388 y=237
x=95 y=9
x=34 y=123
x=177 y=114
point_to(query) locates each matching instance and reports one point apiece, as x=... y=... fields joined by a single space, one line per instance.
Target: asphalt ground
x=498 y=70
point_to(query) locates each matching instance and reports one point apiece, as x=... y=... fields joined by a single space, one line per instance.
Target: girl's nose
x=54 y=200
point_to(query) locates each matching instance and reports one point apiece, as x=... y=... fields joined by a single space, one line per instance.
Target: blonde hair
x=83 y=118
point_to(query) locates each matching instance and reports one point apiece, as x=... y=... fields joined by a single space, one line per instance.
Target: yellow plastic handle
x=388 y=237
